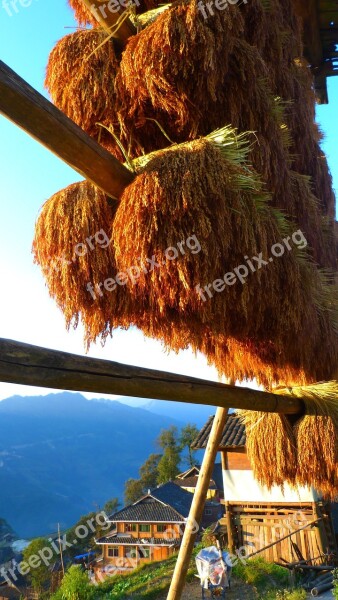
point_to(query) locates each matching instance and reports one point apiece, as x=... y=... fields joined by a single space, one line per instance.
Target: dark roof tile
x=233 y=434
x=168 y=503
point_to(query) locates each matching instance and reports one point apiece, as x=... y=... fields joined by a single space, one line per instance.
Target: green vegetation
x=162 y=467
x=75 y=586
x=146 y=583
x=270 y=581
x=151 y=581
x=335 y=583
x=38 y=573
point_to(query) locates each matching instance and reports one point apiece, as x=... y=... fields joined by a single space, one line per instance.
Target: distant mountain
x=197 y=414
x=62 y=456
x=7 y=537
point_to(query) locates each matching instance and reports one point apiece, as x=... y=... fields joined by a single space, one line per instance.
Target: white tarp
x=212 y=567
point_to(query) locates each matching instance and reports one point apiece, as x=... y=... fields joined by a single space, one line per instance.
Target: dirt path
x=238 y=591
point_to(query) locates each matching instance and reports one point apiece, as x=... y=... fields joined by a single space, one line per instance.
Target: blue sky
x=30 y=175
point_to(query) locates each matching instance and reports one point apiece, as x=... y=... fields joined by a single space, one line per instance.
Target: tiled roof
x=130 y=541
x=233 y=434
x=191 y=482
x=168 y=503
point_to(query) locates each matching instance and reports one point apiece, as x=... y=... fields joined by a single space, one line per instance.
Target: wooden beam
x=32 y=365
x=103 y=12
x=197 y=506
x=28 y=109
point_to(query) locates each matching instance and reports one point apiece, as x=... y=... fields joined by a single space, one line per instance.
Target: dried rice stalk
x=67 y=221
x=317 y=436
x=172 y=72
x=271 y=448
x=229 y=216
x=80 y=79
x=82 y=14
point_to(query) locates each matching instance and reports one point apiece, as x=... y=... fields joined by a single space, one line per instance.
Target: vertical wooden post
x=231 y=545
x=197 y=506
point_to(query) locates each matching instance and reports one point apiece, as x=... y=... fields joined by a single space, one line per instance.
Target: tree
x=75 y=586
x=188 y=434
x=111 y=506
x=168 y=438
x=135 y=488
x=168 y=465
x=39 y=574
x=149 y=470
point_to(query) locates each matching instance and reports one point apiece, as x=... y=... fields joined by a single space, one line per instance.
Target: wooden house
x=188 y=481
x=150 y=529
x=256 y=517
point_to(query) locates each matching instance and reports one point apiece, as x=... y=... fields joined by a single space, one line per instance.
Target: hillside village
x=238 y=513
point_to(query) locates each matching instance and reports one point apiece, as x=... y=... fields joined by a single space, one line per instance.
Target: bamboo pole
x=197 y=506
x=31 y=111
x=108 y=14
x=32 y=365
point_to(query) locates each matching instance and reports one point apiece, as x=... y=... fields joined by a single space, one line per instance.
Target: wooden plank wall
x=257 y=526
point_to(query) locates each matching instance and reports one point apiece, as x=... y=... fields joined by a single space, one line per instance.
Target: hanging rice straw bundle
x=173 y=72
x=80 y=79
x=82 y=15
x=305 y=152
x=271 y=448
x=249 y=360
x=194 y=193
x=317 y=436
x=72 y=247
x=205 y=194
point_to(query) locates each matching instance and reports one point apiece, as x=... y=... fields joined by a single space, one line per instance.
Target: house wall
x=130 y=556
x=240 y=484
x=210 y=494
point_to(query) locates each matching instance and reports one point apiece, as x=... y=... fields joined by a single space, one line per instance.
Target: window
x=113 y=552
x=161 y=528
x=144 y=528
x=130 y=527
x=145 y=552
x=208 y=512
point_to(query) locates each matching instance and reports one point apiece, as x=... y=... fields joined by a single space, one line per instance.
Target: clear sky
x=29 y=175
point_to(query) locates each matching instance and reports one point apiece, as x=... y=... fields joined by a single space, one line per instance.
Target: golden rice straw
x=72 y=247
x=228 y=214
x=81 y=13
x=173 y=72
x=80 y=78
x=317 y=436
x=271 y=448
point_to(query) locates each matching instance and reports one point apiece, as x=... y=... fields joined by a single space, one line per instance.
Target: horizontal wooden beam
x=31 y=111
x=107 y=15
x=32 y=365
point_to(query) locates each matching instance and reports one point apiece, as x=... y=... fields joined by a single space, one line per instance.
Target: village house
x=256 y=517
x=188 y=481
x=150 y=529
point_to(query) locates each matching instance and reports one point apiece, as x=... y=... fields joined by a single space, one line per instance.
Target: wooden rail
x=36 y=366
x=28 y=109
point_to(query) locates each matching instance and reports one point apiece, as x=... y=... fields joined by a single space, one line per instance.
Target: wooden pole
x=108 y=13
x=231 y=545
x=31 y=111
x=197 y=506
x=32 y=365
